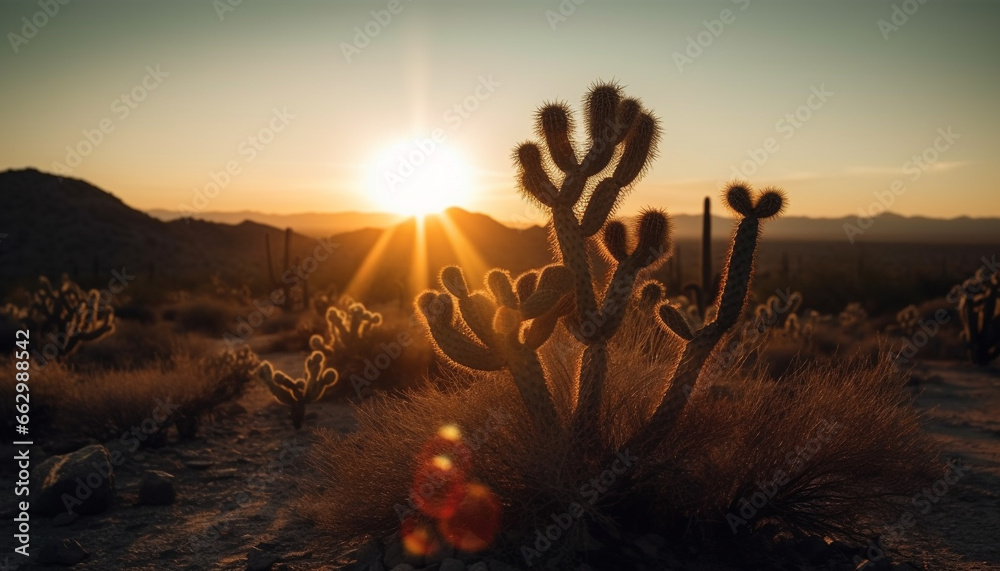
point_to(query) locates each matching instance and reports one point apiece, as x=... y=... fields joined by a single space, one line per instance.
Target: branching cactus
x=297 y=393
x=736 y=286
x=502 y=327
x=67 y=314
x=581 y=187
x=979 y=310
x=347 y=330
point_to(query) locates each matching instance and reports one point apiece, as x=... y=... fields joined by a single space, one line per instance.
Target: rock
x=480 y=566
x=258 y=560
x=404 y=567
x=156 y=488
x=451 y=564
x=62 y=552
x=80 y=482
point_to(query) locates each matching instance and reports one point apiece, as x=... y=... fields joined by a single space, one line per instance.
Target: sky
x=297 y=105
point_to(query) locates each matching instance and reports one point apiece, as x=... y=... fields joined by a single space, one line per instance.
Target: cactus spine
x=67 y=313
x=297 y=393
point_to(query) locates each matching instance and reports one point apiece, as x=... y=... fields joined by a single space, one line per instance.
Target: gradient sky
x=892 y=90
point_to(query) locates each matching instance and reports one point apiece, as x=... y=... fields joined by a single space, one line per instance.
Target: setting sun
x=418 y=177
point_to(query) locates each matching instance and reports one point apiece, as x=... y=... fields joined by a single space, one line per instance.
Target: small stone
x=480 y=566
x=63 y=552
x=199 y=464
x=156 y=488
x=404 y=567
x=258 y=560
x=451 y=564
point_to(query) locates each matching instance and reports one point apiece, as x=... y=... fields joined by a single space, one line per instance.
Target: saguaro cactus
x=297 y=393
x=279 y=281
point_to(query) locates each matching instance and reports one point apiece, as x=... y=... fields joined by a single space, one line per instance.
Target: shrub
x=574 y=386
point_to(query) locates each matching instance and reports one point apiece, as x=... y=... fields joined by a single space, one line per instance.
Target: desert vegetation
x=595 y=397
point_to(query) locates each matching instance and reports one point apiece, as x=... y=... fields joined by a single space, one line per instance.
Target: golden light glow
x=419 y=177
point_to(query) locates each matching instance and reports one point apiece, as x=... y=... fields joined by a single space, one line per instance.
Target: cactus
x=852 y=316
x=67 y=314
x=738 y=273
x=772 y=313
x=299 y=293
x=907 y=319
x=504 y=328
x=979 y=311
x=347 y=329
x=297 y=393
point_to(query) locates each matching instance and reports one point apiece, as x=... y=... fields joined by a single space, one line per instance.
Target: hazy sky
x=293 y=98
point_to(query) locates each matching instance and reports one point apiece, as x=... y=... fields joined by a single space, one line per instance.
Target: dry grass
x=104 y=404
x=739 y=430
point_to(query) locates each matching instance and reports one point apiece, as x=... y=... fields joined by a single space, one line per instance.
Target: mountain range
x=52 y=225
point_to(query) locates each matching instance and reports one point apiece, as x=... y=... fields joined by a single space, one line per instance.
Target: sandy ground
x=234 y=497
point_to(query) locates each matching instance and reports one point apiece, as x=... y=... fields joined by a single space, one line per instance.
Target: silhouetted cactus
x=296 y=296
x=979 y=310
x=67 y=315
x=503 y=328
x=297 y=393
x=347 y=329
x=907 y=319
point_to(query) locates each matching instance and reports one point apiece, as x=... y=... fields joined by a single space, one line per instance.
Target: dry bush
x=104 y=404
x=204 y=314
x=133 y=345
x=738 y=431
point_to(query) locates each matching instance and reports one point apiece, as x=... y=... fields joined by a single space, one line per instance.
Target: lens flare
x=438 y=486
x=419 y=537
x=475 y=521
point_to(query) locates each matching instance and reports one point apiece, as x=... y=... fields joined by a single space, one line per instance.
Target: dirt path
x=233 y=496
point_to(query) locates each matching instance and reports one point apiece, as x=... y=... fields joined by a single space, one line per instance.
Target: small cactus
x=67 y=314
x=979 y=310
x=907 y=319
x=347 y=329
x=297 y=393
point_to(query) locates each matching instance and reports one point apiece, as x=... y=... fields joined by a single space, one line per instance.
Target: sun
x=418 y=177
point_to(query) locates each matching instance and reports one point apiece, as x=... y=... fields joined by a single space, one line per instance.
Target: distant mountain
x=309 y=223
x=885 y=228
x=52 y=225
